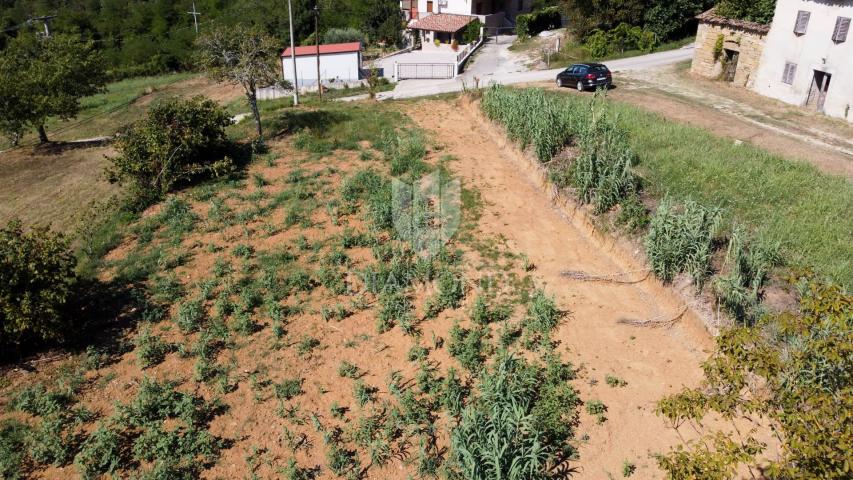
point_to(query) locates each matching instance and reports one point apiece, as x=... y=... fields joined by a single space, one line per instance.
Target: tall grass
x=787 y=202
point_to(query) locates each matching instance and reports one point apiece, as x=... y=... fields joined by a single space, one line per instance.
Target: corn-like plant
x=748 y=264
x=680 y=240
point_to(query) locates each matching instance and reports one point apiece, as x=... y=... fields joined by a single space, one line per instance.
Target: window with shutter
x=802 y=22
x=842 y=26
x=790 y=73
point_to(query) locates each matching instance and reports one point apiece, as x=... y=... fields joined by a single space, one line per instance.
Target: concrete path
x=491 y=72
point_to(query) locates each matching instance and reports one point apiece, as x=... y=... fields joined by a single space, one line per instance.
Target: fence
x=425 y=70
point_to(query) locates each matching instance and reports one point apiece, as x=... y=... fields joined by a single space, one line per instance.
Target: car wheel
x=580 y=86
x=559 y=82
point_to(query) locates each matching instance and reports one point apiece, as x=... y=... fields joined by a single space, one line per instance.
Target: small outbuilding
x=339 y=63
x=728 y=49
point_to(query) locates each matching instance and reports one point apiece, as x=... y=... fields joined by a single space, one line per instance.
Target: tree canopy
x=46 y=77
x=153 y=36
x=666 y=18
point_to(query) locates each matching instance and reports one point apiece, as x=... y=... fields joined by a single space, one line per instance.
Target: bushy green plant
x=36 y=283
x=472 y=31
x=343 y=35
x=176 y=141
x=530 y=24
x=795 y=369
x=681 y=239
x=348 y=370
x=483 y=314
x=468 y=346
x=602 y=173
x=103 y=452
x=150 y=349
x=532 y=118
x=13 y=435
x=288 y=388
x=748 y=265
x=504 y=432
x=191 y=315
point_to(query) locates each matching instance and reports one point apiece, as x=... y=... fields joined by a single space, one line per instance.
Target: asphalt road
x=506 y=76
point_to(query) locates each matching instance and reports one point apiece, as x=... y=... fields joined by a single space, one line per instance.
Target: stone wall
x=749 y=44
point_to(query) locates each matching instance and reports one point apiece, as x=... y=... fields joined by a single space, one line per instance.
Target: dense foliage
x=176 y=141
x=680 y=239
x=624 y=37
x=140 y=37
x=530 y=24
x=518 y=425
x=795 y=369
x=666 y=18
x=36 y=280
x=760 y=11
x=45 y=77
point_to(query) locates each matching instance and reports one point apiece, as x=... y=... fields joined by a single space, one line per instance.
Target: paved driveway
x=420 y=88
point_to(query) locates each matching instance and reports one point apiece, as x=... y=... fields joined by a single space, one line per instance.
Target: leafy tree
x=668 y=18
x=177 y=140
x=46 y=77
x=760 y=11
x=242 y=56
x=36 y=281
x=795 y=369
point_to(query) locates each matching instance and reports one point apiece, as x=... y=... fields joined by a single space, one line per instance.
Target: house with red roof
x=340 y=63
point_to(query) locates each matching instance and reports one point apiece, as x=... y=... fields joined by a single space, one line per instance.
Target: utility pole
x=195 y=15
x=317 y=43
x=46 y=19
x=293 y=54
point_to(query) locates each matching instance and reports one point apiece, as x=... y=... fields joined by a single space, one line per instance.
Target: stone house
x=808 y=56
x=728 y=49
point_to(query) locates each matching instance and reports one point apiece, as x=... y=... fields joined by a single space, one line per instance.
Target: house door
x=429 y=6
x=818 y=90
x=730 y=65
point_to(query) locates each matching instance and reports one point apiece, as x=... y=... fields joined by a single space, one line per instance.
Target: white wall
x=459 y=7
x=813 y=51
x=343 y=67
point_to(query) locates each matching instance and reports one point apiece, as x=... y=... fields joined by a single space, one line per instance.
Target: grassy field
x=793 y=203
x=807 y=211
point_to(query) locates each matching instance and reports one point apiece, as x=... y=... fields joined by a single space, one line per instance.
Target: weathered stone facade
x=720 y=40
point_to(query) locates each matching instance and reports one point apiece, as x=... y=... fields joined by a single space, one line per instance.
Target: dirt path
x=654 y=361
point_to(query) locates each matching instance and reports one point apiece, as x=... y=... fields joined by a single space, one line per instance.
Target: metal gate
x=425 y=70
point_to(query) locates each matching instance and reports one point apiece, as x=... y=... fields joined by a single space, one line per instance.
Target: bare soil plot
x=558 y=238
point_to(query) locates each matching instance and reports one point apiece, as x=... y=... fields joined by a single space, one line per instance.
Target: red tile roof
x=443 y=22
x=324 y=49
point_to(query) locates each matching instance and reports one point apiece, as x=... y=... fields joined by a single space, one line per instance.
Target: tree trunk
x=253 y=102
x=42 y=135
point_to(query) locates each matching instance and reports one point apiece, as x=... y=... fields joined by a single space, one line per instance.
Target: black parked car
x=585 y=75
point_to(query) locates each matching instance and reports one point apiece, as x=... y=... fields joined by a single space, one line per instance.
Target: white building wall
x=812 y=51
x=459 y=7
x=342 y=67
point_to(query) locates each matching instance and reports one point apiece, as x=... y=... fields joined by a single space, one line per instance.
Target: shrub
x=796 y=370
x=468 y=346
x=150 y=349
x=530 y=24
x=343 y=35
x=36 y=282
x=472 y=31
x=51 y=443
x=680 y=239
x=624 y=37
x=191 y=315
x=12 y=449
x=348 y=370
x=288 y=388
x=176 y=141
x=482 y=314
x=102 y=452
